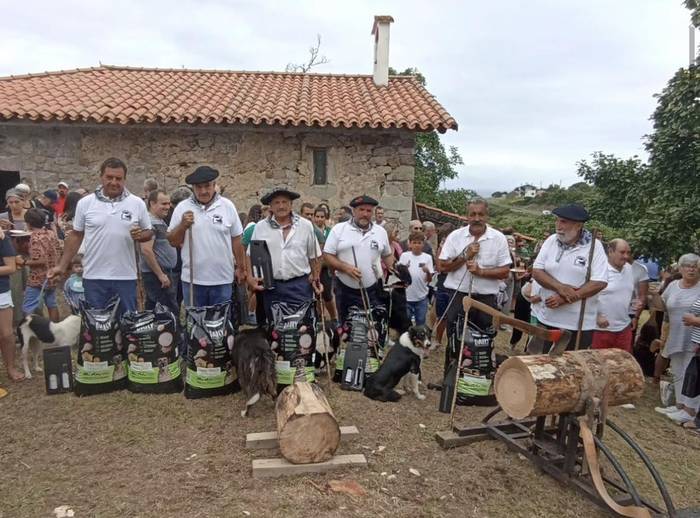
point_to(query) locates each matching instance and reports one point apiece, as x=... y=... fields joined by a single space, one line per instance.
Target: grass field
x=123 y=454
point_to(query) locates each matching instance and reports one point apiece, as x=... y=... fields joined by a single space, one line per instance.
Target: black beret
x=572 y=212
x=202 y=174
x=278 y=191
x=363 y=200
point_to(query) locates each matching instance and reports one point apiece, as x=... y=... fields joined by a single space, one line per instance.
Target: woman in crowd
x=392 y=232
x=678 y=298
x=13 y=219
x=66 y=221
x=7 y=336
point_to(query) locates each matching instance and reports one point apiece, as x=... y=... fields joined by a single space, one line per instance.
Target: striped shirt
x=695 y=332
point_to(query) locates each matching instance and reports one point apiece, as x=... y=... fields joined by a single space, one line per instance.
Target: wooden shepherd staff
x=582 y=312
x=189 y=249
x=139 y=280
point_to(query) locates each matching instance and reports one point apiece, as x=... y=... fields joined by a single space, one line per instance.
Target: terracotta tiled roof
x=122 y=95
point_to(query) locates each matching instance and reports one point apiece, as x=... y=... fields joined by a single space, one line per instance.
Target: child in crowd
x=43 y=254
x=420 y=265
x=73 y=289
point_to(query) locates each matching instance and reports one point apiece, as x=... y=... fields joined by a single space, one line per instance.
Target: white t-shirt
x=493 y=252
x=213 y=229
x=290 y=258
x=369 y=246
x=614 y=300
x=109 y=248
x=418 y=289
x=536 y=291
x=570 y=269
x=679 y=301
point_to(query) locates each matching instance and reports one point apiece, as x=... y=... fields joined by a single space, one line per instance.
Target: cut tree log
x=307 y=428
x=530 y=386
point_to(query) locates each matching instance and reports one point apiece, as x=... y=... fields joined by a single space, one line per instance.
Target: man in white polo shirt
x=613 y=322
x=216 y=238
x=561 y=269
x=354 y=250
x=476 y=258
x=294 y=250
x=110 y=220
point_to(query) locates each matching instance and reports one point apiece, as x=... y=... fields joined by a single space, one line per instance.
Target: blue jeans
x=98 y=292
x=155 y=293
x=418 y=310
x=32 y=302
x=207 y=295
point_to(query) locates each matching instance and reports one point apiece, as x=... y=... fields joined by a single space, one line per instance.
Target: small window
x=320 y=167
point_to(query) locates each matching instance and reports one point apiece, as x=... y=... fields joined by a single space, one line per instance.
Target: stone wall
x=376 y=162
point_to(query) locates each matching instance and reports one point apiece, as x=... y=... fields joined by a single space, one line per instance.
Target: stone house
x=330 y=137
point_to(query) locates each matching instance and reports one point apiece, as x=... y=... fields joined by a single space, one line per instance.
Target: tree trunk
x=308 y=431
x=529 y=386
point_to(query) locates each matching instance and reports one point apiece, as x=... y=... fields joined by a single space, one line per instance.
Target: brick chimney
x=380 y=31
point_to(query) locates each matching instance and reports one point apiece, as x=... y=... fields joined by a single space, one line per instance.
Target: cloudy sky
x=535 y=86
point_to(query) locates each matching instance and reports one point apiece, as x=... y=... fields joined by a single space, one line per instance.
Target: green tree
x=434 y=164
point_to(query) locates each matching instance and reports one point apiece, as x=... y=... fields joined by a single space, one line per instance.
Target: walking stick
x=190 y=253
x=319 y=302
x=365 y=303
x=453 y=406
x=582 y=312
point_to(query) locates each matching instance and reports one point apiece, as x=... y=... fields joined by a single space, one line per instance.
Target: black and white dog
x=35 y=330
x=402 y=361
x=396 y=285
x=327 y=342
x=255 y=363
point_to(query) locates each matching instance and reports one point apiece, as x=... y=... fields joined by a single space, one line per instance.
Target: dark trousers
x=98 y=292
x=294 y=291
x=522 y=312
x=346 y=297
x=585 y=343
x=155 y=293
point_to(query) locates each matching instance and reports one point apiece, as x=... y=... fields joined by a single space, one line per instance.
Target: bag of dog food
x=209 y=334
x=152 y=343
x=356 y=330
x=292 y=340
x=101 y=365
x=478 y=364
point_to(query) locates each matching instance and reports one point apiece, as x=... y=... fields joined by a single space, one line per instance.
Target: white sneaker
x=667 y=410
x=681 y=417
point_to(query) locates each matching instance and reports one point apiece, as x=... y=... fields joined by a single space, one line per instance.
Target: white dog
x=35 y=330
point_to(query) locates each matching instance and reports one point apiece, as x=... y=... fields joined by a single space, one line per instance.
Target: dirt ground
x=123 y=454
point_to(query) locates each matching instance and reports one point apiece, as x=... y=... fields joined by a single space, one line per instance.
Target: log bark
x=530 y=386
x=307 y=428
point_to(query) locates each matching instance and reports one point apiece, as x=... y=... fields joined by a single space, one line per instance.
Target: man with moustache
x=354 y=250
x=294 y=250
x=476 y=259
x=561 y=269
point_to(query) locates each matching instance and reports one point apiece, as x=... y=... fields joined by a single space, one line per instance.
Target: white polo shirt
x=570 y=269
x=418 y=289
x=370 y=246
x=614 y=300
x=109 y=248
x=214 y=227
x=290 y=258
x=493 y=252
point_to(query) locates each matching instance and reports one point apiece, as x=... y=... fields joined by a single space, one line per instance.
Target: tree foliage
x=434 y=165
x=655 y=205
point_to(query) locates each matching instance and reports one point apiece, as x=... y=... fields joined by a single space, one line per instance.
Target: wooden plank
x=268 y=440
x=449 y=439
x=265 y=468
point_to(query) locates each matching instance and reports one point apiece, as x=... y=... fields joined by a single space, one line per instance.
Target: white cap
x=64 y=184
x=23 y=188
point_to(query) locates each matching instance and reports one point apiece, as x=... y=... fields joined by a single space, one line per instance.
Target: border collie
x=255 y=363
x=34 y=331
x=402 y=361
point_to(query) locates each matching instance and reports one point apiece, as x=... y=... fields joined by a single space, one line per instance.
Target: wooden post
x=307 y=428
x=544 y=385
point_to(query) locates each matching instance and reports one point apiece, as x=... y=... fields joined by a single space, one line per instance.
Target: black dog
x=403 y=361
x=255 y=363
